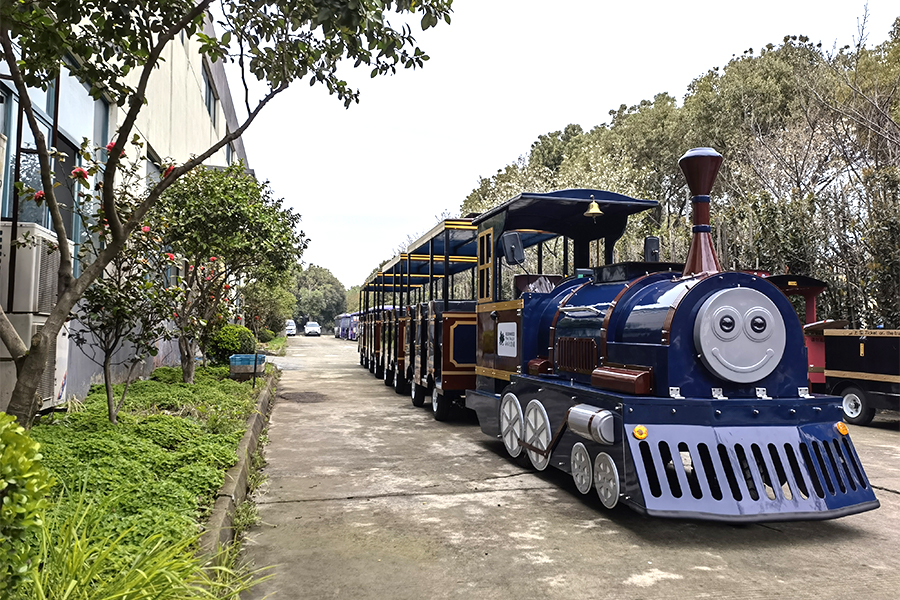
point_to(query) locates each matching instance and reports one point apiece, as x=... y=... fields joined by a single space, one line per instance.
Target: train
x=676 y=389
x=862 y=366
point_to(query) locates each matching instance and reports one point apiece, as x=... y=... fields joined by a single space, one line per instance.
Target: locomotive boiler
x=677 y=390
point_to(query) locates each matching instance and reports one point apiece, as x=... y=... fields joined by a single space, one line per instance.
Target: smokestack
x=700 y=167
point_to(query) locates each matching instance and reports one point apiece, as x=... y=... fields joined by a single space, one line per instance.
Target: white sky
x=501 y=74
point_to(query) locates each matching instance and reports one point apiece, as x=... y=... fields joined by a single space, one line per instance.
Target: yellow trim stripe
x=863 y=376
x=440 y=258
x=509 y=305
x=495 y=373
x=862 y=332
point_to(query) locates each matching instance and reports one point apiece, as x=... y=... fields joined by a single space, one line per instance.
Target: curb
x=218 y=529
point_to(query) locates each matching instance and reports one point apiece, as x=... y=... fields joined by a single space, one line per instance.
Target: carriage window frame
x=485 y=265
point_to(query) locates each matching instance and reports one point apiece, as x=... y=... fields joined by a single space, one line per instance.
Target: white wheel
x=537 y=433
x=582 y=472
x=511 y=424
x=606 y=480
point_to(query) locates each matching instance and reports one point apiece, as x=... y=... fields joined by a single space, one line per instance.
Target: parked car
x=312 y=328
x=290 y=328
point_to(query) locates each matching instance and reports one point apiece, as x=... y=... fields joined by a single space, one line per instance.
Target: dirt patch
x=303 y=397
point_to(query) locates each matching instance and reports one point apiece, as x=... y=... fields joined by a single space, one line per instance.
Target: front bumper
x=746 y=473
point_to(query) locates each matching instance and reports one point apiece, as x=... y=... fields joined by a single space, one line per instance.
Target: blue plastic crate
x=242 y=364
x=246 y=359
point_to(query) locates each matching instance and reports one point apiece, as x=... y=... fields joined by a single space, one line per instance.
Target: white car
x=312 y=328
x=290 y=328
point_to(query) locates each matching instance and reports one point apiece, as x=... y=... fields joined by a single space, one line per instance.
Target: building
x=189 y=108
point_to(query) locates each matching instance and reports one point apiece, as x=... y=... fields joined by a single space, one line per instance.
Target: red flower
x=176 y=315
x=170 y=256
x=257 y=318
x=191 y=268
x=145 y=229
x=79 y=173
x=227 y=287
x=212 y=258
x=238 y=318
x=39 y=195
x=168 y=171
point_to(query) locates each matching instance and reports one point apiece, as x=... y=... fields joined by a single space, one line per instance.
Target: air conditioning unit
x=37 y=265
x=52 y=387
x=35 y=293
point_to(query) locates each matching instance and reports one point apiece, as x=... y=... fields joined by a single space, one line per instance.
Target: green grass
x=155 y=474
x=78 y=560
x=275 y=347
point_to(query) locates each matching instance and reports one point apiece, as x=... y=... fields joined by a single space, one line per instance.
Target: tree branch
x=65 y=256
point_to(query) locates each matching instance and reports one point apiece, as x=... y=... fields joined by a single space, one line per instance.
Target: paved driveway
x=369 y=497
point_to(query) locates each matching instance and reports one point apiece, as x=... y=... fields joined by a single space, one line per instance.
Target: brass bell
x=593 y=210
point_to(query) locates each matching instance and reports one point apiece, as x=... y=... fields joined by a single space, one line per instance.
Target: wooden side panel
x=458 y=351
x=499 y=338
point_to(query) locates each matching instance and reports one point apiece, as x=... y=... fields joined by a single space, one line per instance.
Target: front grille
x=576 y=355
x=748 y=470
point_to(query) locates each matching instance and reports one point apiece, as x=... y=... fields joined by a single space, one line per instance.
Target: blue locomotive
x=677 y=390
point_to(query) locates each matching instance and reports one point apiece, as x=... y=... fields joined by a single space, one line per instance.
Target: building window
x=209 y=95
x=229 y=154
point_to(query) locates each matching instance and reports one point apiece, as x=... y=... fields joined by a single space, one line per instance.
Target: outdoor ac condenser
x=37 y=265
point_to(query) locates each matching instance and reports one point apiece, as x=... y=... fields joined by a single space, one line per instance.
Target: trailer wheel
x=856 y=407
x=417 y=393
x=399 y=382
x=440 y=405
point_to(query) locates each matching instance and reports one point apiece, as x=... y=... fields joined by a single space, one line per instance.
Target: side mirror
x=513 y=251
x=651 y=249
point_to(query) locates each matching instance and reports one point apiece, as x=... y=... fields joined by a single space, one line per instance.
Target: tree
x=320 y=295
x=268 y=301
x=126 y=307
x=223 y=226
x=116 y=46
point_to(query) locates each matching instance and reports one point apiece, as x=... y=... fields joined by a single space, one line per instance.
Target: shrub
x=23 y=484
x=266 y=335
x=231 y=339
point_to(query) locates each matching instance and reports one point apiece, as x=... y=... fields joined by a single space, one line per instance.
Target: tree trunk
x=107 y=382
x=25 y=402
x=187 y=348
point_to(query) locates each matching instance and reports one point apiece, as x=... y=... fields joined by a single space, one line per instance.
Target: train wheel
x=582 y=472
x=537 y=433
x=399 y=382
x=856 y=407
x=606 y=480
x=440 y=405
x=417 y=393
x=511 y=424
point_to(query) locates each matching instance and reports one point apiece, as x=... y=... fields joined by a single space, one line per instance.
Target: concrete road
x=369 y=497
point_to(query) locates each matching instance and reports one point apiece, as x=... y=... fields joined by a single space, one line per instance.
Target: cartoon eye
x=756 y=324
x=726 y=323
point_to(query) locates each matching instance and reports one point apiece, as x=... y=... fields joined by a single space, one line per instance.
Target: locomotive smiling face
x=739 y=335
